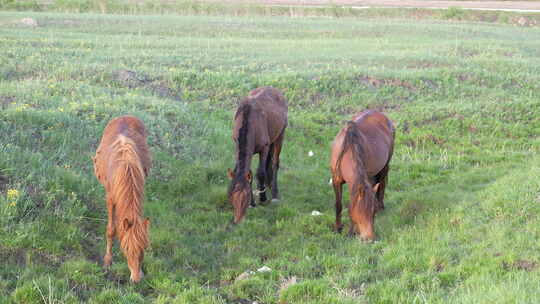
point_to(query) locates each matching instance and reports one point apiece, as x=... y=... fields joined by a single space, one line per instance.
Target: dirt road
x=532 y=6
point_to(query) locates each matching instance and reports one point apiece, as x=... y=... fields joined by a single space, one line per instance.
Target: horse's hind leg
x=275 y=166
x=382 y=179
x=261 y=174
x=107 y=259
x=269 y=171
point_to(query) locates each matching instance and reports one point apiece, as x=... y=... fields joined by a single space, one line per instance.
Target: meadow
x=461 y=223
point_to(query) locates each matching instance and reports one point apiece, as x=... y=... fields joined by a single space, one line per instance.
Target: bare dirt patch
x=520 y=265
x=377 y=83
x=134 y=80
x=385 y=106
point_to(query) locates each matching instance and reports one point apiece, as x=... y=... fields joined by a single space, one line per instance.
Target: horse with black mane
x=360 y=157
x=121 y=164
x=259 y=128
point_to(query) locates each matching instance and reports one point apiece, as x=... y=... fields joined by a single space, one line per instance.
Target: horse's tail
x=127 y=195
x=352 y=142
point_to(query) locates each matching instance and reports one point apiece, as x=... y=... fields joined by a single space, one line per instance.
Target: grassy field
x=462 y=218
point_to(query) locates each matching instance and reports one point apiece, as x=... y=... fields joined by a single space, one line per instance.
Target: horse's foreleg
x=261 y=174
x=107 y=259
x=339 y=194
x=275 y=166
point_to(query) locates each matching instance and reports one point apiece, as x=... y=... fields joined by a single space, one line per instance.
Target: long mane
x=127 y=187
x=244 y=110
x=352 y=141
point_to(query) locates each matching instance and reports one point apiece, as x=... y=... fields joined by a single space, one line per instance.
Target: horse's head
x=240 y=194
x=363 y=212
x=135 y=252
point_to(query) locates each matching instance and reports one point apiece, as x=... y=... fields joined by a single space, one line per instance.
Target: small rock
x=264 y=269
x=29 y=22
x=244 y=275
x=315 y=213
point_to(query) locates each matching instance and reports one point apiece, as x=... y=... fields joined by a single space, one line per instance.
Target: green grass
x=461 y=223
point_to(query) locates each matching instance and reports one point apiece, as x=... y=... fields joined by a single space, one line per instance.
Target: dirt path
x=532 y=6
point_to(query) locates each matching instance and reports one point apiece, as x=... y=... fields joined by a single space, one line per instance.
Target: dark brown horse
x=361 y=155
x=121 y=165
x=259 y=127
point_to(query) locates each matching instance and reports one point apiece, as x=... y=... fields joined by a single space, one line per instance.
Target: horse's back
x=120 y=129
x=273 y=109
x=129 y=126
x=270 y=100
x=376 y=127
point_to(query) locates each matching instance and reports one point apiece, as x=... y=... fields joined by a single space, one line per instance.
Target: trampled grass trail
x=461 y=223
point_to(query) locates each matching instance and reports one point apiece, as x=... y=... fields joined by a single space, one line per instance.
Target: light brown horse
x=361 y=155
x=121 y=165
x=259 y=127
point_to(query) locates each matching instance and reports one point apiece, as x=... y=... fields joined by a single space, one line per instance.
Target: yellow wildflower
x=12 y=194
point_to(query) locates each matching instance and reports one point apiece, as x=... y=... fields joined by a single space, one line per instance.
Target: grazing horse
x=361 y=155
x=259 y=127
x=121 y=165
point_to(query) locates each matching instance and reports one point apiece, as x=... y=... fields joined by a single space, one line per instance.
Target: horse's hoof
x=107 y=261
x=275 y=200
x=338 y=229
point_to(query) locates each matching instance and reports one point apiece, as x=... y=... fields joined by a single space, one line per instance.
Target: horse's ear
x=376 y=187
x=146 y=223
x=127 y=224
x=230 y=173
x=248 y=176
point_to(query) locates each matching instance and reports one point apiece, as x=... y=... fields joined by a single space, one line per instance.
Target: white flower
x=310 y=153
x=315 y=213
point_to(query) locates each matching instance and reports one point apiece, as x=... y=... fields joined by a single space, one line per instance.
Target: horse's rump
x=268 y=115
x=373 y=134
